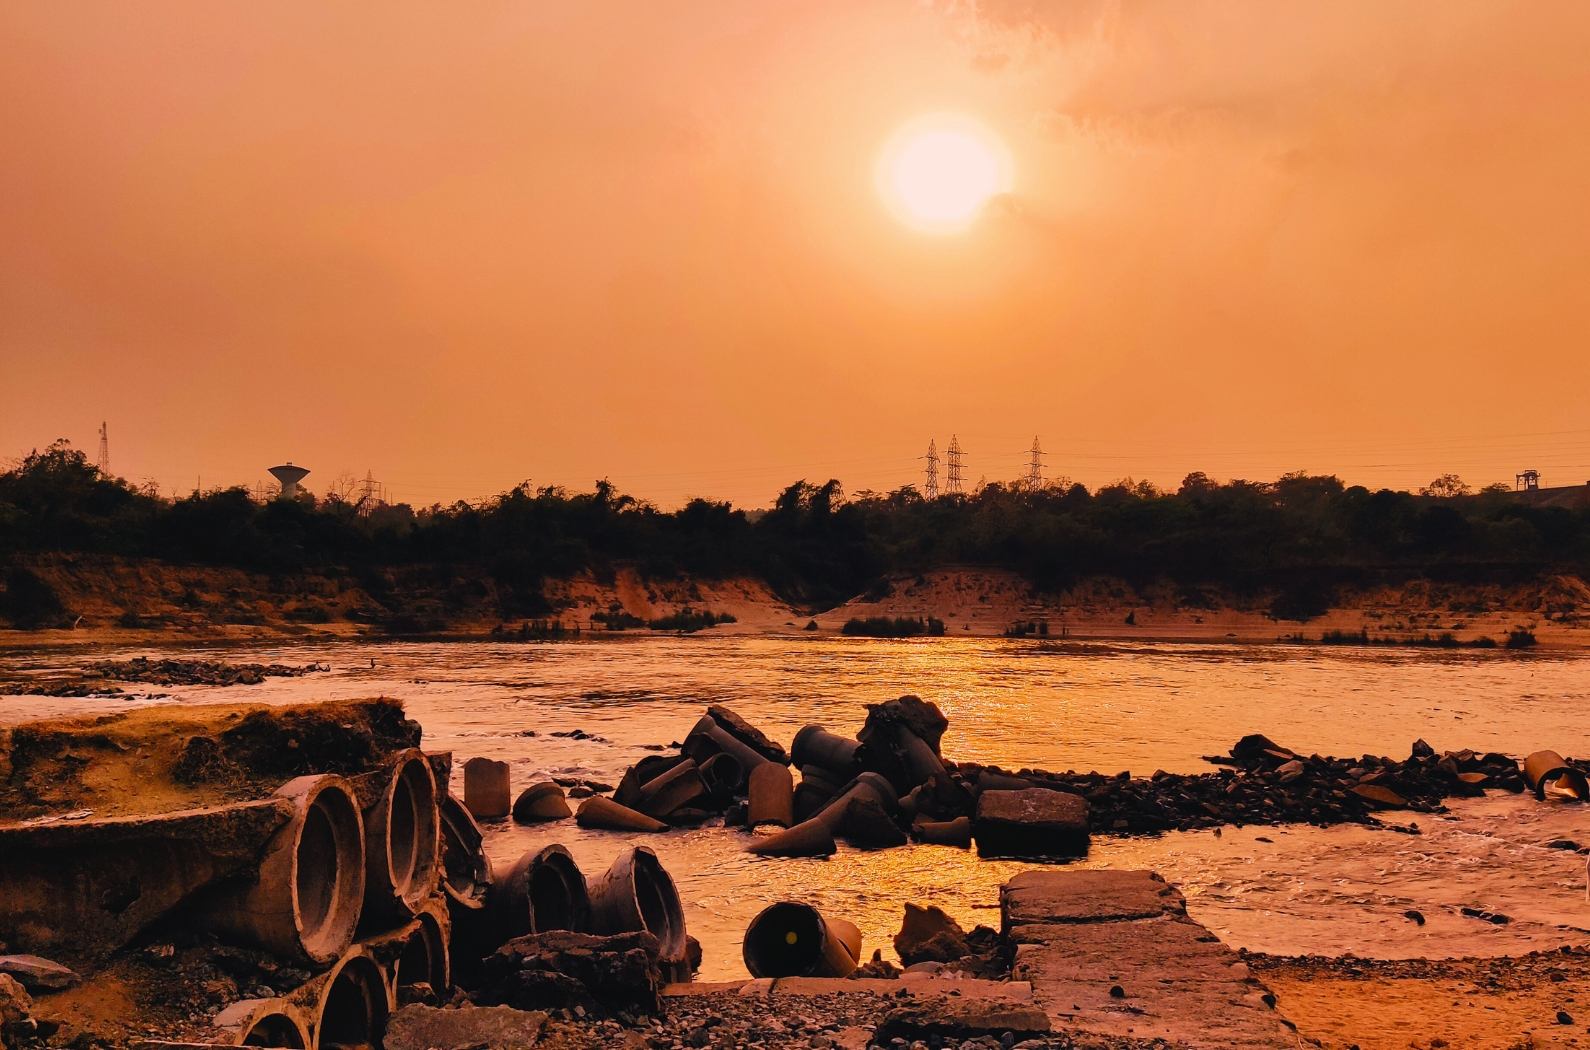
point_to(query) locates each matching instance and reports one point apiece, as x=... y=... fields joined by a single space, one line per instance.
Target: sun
x=936 y=172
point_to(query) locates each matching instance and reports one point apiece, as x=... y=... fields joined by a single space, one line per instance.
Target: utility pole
x=932 y=488
x=1033 y=479
x=104 y=451
x=952 y=455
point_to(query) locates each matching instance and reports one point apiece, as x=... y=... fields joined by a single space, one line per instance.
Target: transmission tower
x=932 y=488
x=104 y=451
x=372 y=494
x=952 y=456
x=1033 y=479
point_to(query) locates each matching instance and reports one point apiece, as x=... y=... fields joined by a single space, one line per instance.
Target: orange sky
x=465 y=244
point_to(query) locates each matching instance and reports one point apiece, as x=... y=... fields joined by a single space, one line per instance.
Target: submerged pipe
x=678 y=787
x=635 y=894
x=770 y=796
x=707 y=738
x=811 y=838
x=544 y=891
x=795 y=940
x=867 y=785
x=599 y=812
x=304 y=904
x=401 y=834
x=723 y=776
x=355 y=1001
x=264 y=1022
x=816 y=746
x=1548 y=771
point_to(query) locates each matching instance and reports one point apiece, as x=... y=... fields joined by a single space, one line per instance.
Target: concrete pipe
x=811 y=838
x=678 y=787
x=867 y=785
x=707 y=738
x=424 y=959
x=1547 y=772
x=916 y=762
x=770 y=796
x=401 y=835
x=466 y=870
x=487 y=789
x=795 y=940
x=540 y=803
x=304 y=904
x=355 y=1001
x=724 y=778
x=823 y=780
x=637 y=893
x=544 y=891
x=599 y=812
x=957 y=832
x=87 y=887
x=264 y=1022
x=816 y=746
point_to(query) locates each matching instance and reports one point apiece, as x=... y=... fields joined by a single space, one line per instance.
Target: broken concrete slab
x=1038 y=897
x=961 y=1018
x=1114 y=953
x=1035 y=822
x=35 y=973
x=431 y=1028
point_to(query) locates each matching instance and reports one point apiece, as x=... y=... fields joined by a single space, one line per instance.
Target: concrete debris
x=961 y=1019
x=497 y=1027
x=599 y=812
x=1034 y=822
x=487 y=790
x=567 y=970
x=929 y=935
x=541 y=802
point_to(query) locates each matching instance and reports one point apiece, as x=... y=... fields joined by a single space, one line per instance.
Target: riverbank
x=113 y=601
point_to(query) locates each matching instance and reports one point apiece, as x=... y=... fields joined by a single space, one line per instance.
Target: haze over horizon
x=465 y=246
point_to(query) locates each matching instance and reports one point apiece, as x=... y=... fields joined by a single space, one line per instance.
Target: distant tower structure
x=1032 y=480
x=104 y=450
x=953 y=464
x=372 y=494
x=1529 y=481
x=932 y=487
x=289 y=476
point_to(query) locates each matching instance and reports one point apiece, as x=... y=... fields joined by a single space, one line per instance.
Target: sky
x=461 y=246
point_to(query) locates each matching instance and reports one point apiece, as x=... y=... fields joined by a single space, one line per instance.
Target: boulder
x=428 y=1028
x=929 y=935
x=15 y=1007
x=1379 y=797
x=36 y=973
x=1034 y=822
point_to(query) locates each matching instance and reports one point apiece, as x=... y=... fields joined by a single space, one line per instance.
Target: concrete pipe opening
x=354 y=1007
x=304 y=903
x=264 y=1022
x=424 y=958
x=544 y=891
x=794 y=940
x=637 y=893
x=466 y=871
x=401 y=836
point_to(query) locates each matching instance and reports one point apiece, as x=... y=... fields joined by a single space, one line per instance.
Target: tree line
x=1300 y=537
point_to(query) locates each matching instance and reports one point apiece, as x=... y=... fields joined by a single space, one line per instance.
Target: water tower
x=289 y=476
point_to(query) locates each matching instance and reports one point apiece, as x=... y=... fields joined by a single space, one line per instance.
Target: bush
x=898 y=627
x=1520 y=639
x=30 y=603
x=685 y=621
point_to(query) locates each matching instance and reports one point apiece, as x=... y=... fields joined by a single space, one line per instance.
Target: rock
x=1564 y=1017
x=922 y=717
x=961 y=1018
x=1290 y=771
x=1422 y=750
x=1035 y=822
x=33 y=972
x=541 y=802
x=15 y=1007
x=929 y=935
x=868 y=826
x=618 y=972
x=1379 y=797
x=499 y=1027
x=1417 y=917
x=1568 y=844
x=1254 y=748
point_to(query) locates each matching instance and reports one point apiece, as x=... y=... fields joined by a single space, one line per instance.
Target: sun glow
x=936 y=172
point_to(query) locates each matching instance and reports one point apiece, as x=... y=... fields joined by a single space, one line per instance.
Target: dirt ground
x=1537 y=1000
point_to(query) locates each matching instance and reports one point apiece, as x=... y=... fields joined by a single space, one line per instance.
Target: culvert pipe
x=724 y=778
x=466 y=870
x=401 y=836
x=425 y=958
x=355 y=1001
x=544 y=891
x=708 y=738
x=264 y=1022
x=635 y=894
x=1548 y=771
x=795 y=940
x=816 y=746
x=304 y=903
x=867 y=785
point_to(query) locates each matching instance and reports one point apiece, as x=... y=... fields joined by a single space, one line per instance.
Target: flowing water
x=1056 y=706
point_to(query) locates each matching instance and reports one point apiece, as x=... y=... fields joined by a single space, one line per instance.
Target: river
x=1106 y=707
